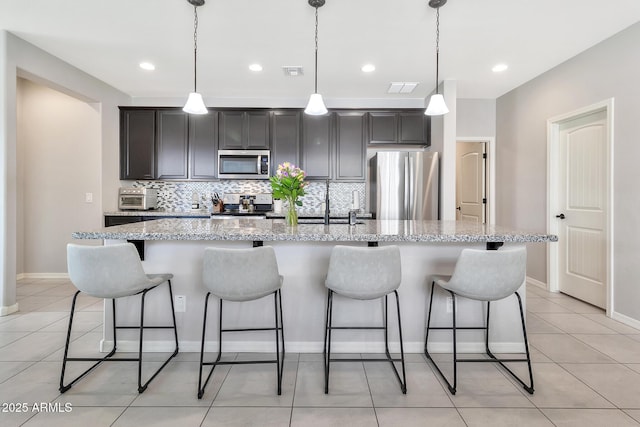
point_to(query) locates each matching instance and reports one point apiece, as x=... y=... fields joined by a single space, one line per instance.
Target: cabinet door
x=172 y=139
x=203 y=131
x=256 y=130
x=285 y=138
x=413 y=128
x=137 y=144
x=230 y=130
x=316 y=146
x=350 y=145
x=383 y=127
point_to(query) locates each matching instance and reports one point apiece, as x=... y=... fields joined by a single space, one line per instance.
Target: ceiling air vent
x=402 y=87
x=293 y=70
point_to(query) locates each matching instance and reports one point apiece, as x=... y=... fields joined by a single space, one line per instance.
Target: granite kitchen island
x=427 y=247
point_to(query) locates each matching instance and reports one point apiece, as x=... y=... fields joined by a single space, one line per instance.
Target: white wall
x=476 y=117
x=19 y=58
x=59 y=154
x=607 y=70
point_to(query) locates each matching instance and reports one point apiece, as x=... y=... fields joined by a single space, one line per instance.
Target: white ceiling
x=109 y=38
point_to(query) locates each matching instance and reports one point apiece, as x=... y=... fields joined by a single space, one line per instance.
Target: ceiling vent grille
x=402 y=87
x=293 y=70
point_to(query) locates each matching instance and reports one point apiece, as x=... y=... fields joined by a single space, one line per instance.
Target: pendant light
x=437 y=106
x=316 y=106
x=195 y=104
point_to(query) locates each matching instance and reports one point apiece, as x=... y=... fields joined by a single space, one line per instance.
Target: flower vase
x=292 y=213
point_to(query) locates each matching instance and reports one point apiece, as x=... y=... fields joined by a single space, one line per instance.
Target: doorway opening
x=475 y=180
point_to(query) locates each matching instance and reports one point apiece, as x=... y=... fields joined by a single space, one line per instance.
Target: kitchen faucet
x=326 y=205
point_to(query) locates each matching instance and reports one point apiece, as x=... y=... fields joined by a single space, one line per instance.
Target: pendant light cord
x=195 y=48
x=316 y=73
x=437 y=47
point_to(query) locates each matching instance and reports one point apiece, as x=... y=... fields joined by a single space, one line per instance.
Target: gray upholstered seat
x=364 y=273
x=113 y=271
x=486 y=275
x=482 y=275
x=242 y=275
x=109 y=271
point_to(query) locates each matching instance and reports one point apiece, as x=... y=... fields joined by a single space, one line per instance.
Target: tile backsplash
x=177 y=195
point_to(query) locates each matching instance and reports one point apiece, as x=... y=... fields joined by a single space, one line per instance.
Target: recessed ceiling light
x=147 y=66
x=368 y=68
x=255 y=67
x=498 y=68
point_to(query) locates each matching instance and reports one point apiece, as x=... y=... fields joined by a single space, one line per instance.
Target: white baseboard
x=42 y=276
x=309 y=347
x=6 y=310
x=537 y=283
x=629 y=321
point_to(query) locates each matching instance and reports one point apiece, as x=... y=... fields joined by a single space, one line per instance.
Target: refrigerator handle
x=407 y=188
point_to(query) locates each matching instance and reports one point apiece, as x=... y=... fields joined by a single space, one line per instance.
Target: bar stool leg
x=279 y=359
x=201 y=387
x=403 y=383
x=63 y=388
x=327 y=348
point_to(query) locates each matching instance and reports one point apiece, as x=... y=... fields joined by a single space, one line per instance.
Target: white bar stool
x=113 y=272
x=242 y=275
x=483 y=275
x=364 y=274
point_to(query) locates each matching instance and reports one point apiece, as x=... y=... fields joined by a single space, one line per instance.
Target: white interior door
x=582 y=198
x=470 y=181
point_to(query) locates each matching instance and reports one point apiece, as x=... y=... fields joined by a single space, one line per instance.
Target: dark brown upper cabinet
x=167 y=143
x=285 y=138
x=317 y=146
x=243 y=130
x=137 y=144
x=351 y=145
x=172 y=144
x=399 y=127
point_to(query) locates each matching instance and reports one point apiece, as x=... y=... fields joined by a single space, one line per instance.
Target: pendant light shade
x=195 y=104
x=437 y=106
x=315 y=106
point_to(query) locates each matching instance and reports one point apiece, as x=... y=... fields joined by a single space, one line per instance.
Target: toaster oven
x=138 y=199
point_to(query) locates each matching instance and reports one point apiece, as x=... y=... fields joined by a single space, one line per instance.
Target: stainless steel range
x=239 y=204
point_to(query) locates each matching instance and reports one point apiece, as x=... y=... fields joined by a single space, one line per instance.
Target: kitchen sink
x=331 y=221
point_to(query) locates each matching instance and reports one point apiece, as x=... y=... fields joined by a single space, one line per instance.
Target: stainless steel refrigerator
x=404 y=185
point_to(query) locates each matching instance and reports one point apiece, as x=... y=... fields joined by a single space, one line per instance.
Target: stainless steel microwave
x=243 y=164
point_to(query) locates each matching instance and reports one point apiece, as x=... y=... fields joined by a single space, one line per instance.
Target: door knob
x=459 y=208
x=561 y=216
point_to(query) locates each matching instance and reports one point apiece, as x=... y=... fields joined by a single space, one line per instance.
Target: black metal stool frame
x=108 y=358
x=327 y=342
x=279 y=329
x=452 y=388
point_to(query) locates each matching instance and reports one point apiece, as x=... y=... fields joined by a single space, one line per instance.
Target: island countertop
x=271 y=230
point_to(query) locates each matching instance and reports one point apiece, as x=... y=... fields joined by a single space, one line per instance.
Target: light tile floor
x=586 y=371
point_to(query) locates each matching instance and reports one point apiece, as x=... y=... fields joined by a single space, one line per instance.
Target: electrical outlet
x=449 y=304
x=88 y=197
x=180 y=303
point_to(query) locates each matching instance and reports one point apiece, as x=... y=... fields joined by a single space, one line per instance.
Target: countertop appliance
x=243 y=164
x=238 y=204
x=139 y=199
x=404 y=185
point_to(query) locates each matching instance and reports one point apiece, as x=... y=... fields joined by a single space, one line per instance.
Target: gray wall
x=608 y=70
x=59 y=154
